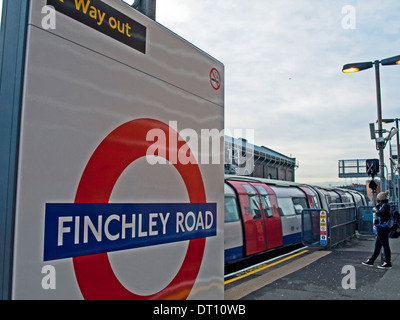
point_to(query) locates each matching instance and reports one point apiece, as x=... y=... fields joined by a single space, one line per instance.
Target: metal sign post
x=12 y=53
x=147 y=7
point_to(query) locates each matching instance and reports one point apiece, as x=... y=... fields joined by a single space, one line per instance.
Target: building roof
x=259 y=150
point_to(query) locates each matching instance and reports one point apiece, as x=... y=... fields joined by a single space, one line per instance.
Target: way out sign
x=89 y=204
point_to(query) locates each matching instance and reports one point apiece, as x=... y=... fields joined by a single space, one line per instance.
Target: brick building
x=244 y=158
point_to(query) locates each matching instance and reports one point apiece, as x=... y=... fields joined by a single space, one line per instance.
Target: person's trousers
x=382 y=240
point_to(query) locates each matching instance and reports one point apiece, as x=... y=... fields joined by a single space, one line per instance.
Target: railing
x=321 y=228
x=342 y=222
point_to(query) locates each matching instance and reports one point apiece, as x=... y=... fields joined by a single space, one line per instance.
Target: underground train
x=262 y=214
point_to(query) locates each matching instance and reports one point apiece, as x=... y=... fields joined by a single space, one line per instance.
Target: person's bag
x=392 y=223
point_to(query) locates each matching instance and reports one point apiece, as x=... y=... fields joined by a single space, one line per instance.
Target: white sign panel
x=118 y=196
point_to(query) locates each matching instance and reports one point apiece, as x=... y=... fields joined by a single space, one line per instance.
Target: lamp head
x=384 y=121
x=391 y=61
x=355 y=67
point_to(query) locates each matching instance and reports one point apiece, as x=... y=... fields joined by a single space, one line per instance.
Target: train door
x=252 y=215
x=314 y=203
x=291 y=202
x=273 y=222
x=324 y=197
x=312 y=197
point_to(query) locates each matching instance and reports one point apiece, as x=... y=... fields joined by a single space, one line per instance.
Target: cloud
x=283 y=78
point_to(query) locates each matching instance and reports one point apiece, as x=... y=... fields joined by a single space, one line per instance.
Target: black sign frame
x=105 y=19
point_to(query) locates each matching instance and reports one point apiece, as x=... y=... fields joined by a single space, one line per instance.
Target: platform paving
x=322 y=278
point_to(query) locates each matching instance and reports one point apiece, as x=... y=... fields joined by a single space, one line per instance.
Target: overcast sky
x=283 y=62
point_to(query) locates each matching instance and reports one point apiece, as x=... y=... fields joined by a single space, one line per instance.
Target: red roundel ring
x=115 y=153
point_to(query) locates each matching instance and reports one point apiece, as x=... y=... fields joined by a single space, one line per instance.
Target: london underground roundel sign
x=115 y=153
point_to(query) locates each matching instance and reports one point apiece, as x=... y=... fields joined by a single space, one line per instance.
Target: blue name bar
x=73 y=230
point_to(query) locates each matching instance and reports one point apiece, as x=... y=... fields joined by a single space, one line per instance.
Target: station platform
x=314 y=274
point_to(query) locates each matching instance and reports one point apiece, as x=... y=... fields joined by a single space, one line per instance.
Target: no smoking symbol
x=215 y=79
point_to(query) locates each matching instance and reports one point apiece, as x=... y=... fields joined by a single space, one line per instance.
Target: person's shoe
x=368 y=263
x=386 y=266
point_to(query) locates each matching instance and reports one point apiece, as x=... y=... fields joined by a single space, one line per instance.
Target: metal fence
x=342 y=222
x=323 y=228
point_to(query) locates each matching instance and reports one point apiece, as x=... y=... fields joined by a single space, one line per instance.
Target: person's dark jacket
x=383 y=213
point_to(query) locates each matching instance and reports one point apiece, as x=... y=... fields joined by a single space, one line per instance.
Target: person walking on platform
x=382 y=232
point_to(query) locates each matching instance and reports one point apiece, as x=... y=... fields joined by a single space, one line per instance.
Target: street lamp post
x=398 y=164
x=381 y=144
x=359 y=66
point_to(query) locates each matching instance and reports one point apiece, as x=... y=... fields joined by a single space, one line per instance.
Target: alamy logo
x=49 y=19
x=49 y=278
x=349 y=20
x=349 y=280
x=186 y=146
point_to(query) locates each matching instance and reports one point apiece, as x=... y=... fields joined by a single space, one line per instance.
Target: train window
x=315 y=202
x=299 y=204
x=347 y=198
x=231 y=210
x=358 y=199
x=266 y=203
x=286 y=207
x=248 y=189
x=335 y=198
x=255 y=207
x=262 y=190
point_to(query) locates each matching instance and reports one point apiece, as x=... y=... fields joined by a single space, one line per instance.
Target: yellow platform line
x=264 y=267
